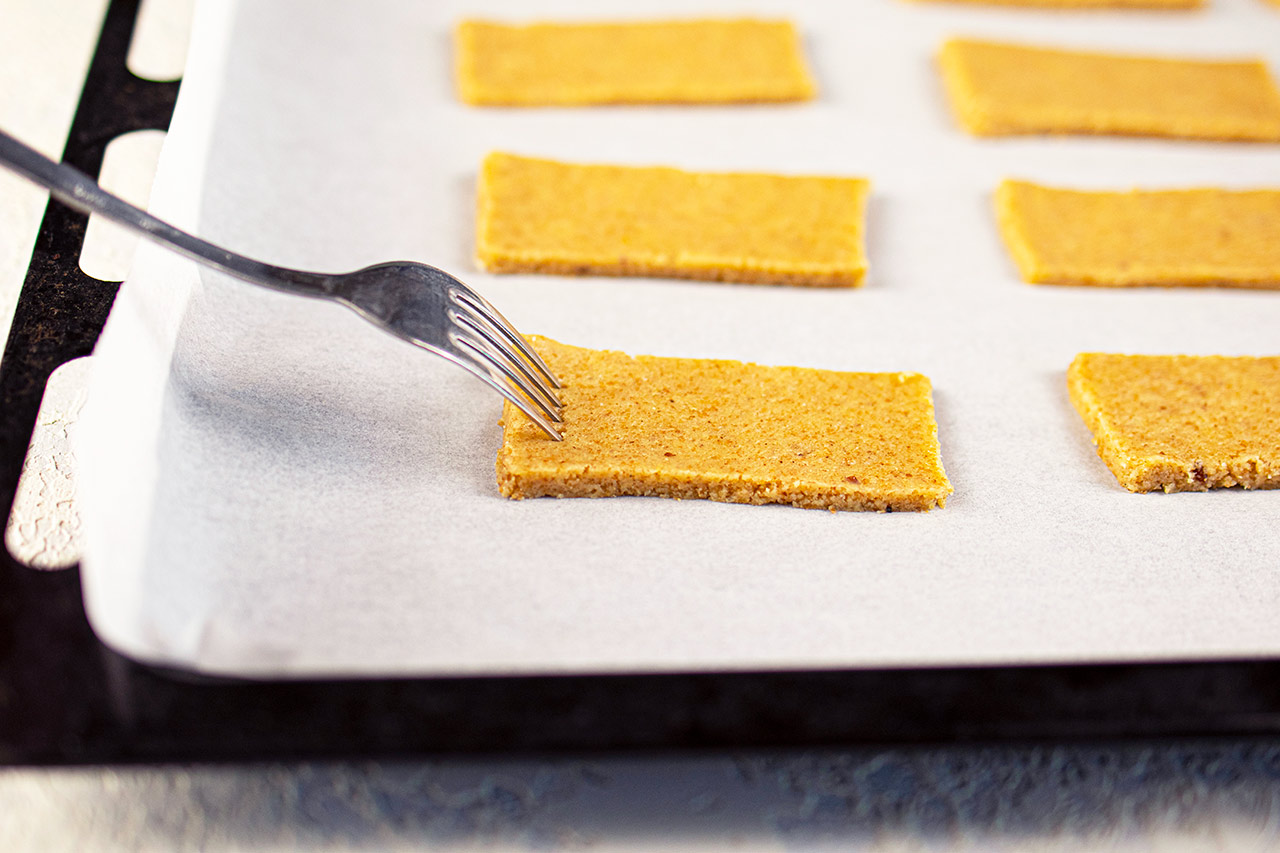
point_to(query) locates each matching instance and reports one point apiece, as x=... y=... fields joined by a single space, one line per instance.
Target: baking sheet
x=272 y=487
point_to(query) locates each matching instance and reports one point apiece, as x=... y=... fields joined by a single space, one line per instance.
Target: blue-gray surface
x=1184 y=796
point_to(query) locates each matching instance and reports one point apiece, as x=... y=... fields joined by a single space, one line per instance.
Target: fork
x=419 y=303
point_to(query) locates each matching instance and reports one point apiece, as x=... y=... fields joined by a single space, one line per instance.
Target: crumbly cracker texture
x=1186 y=237
x=545 y=216
x=1182 y=423
x=692 y=61
x=728 y=431
x=1000 y=89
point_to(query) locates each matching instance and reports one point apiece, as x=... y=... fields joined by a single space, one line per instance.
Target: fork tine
x=479 y=367
x=485 y=309
x=484 y=351
x=497 y=347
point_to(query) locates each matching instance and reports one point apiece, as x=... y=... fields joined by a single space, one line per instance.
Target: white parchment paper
x=274 y=487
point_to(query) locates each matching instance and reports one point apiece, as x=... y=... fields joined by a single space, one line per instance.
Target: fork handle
x=76 y=189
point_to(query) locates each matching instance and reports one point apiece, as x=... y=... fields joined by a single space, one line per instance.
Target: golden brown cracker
x=728 y=431
x=1091 y=4
x=550 y=217
x=1180 y=422
x=999 y=89
x=693 y=62
x=1190 y=237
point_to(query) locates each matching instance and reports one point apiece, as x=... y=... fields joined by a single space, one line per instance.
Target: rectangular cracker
x=1179 y=422
x=728 y=431
x=999 y=89
x=690 y=62
x=1163 y=237
x=550 y=217
x=1092 y=4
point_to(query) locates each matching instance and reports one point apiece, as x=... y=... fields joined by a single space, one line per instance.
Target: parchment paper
x=275 y=488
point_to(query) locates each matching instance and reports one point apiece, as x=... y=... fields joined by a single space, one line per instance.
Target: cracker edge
x=961 y=93
x=1014 y=236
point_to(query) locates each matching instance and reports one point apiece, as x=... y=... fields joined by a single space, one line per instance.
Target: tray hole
x=128 y=167
x=161 y=34
x=43 y=530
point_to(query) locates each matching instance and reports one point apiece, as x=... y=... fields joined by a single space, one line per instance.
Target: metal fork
x=419 y=303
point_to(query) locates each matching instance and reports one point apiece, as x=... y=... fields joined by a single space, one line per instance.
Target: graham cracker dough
x=545 y=216
x=693 y=61
x=1001 y=89
x=1179 y=422
x=728 y=431
x=1165 y=237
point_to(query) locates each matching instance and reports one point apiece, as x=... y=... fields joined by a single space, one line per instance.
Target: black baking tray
x=65 y=698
